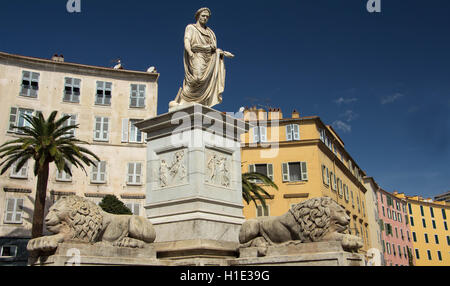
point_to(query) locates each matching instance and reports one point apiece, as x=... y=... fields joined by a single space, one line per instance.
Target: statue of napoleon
x=204 y=66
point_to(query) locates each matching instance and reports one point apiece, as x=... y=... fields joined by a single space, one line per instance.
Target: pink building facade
x=396 y=235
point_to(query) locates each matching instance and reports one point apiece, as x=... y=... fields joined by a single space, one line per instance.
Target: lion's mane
x=313 y=217
x=84 y=218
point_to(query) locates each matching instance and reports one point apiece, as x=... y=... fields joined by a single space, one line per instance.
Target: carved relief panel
x=218 y=168
x=173 y=168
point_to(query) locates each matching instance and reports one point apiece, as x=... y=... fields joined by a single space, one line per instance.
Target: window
x=72 y=90
x=8 y=251
x=426 y=238
x=325 y=175
x=388 y=246
x=101 y=127
x=439 y=255
x=436 y=238
x=260 y=211
x=134 y=174
x=353 y=201
x=382 y=208
x=130 y=133
x=137 y=97
x=103 y=95
x=381 y=198
x=421 y=211
x=407 y=235
x=412 y=221
x=265 y=169
x=98 y=174
x=429 y=255
x=135 y=208
x=72 y=121
x=346 y=194
x=259 y=134
x=444 y=216
x=414 y=236
x=292 y=132
x=431 y=212
x=295 y=171
x=394 y=216
x=63 y=176
x=448 y=240
x=424 y=223
x=410 y=208
x=342 y=190
x=30 y=84
x=417 y=254
x=333 y=181
x=399 y=251
x=17 y=118
x=14 y=209
x=20 y=174
x=401 y=233
x=445 y=225
x=434 y=224
x=396 y=232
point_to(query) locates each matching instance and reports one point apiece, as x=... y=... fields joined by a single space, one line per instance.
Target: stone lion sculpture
x=77 y=219
x=318 y=219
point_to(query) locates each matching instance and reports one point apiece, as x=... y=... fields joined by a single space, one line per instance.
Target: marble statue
x=76 y=219
x=317 y=219
x=204 y=67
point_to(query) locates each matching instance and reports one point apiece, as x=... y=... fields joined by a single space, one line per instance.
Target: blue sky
x=382 y=79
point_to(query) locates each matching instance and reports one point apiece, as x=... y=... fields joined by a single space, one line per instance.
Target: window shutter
x=103 y=171
x=138 y=171
x=263 y=133
x=9 y=210
x=137 y=209
x=304 y=171
x=130 y=175
x=94 y=172
x=270 y=171
x=285 y=170
x=141 y=100
x=296 y=131
x=251 y=168
x=97 y=127
x=289 y=132
x=328 y=177
x=105 y=128
x=18 y=210
x=255 y=134
x=13 y=119
x=324 y=174
x=125 y=130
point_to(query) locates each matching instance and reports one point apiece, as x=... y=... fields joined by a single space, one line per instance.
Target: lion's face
x=339 y=220
x=57 y=214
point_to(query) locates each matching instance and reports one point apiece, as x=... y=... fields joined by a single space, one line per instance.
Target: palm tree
x=45 y=141
x=251 y=189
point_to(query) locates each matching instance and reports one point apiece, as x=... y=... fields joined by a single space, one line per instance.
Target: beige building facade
x=105 y=102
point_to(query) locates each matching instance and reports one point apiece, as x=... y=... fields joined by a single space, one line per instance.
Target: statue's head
x=202 y=15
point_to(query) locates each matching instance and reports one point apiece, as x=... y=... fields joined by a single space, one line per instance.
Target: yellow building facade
x=306 y=159
x=429 y=223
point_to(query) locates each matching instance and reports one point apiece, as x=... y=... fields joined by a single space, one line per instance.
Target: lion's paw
x=352 y=243
x=45 y=243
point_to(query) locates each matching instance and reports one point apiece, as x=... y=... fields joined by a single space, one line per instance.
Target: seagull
x=119 y=65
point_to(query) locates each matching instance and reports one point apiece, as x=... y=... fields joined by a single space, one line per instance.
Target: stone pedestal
x=194 y=189
x=325 y=253
x=82 y=254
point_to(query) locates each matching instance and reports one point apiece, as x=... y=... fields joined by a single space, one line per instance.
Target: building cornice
x=54 y=66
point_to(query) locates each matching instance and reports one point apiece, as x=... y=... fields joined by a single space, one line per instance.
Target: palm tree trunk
x=39 y=203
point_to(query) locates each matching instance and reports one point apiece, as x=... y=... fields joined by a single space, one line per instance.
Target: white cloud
x=340 y=125
x=349 y=115
x=391 y=98
x=342 y=100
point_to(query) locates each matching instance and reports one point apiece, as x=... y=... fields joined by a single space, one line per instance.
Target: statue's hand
x=228 y=54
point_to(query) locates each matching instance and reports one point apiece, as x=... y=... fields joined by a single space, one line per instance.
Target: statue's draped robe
x=204 y=79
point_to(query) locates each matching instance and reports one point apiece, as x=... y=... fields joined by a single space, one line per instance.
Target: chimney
x=57 y=58
x=295 y=114
x=261 y=114
x=275 y=114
